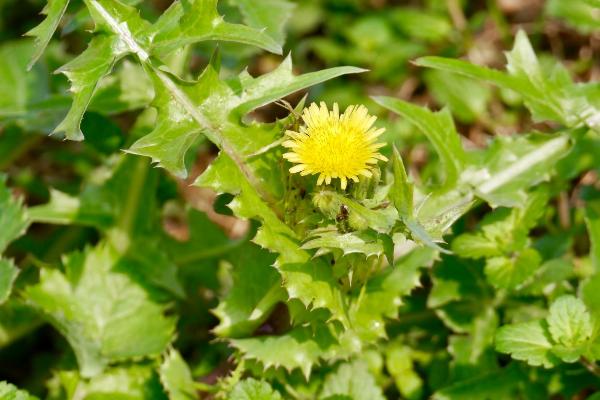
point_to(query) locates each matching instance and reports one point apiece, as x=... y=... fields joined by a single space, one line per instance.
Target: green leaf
x=497 y=385
x=302 y=348
x=353 y=380
x=310 y=281
x=104 y=314
x=508 y=273
x=124 y=382
x=121 y=32
x=8 y=274
x=548 y=95
x=120 y=194
x=176 y=377
x=13 y=217
x=11 y=392
x=512 y=164
x=251 y=389
x=401 y=192
x=383 y=294
x=14 y=222
x=187 y=22
x=54 y=11
x=400 y=365
x=592 y=221
x=420 y=24
x=590 y=292
x=176 y=130
x=570 y=325
x=527 y=341
x=449 y=89
x=270 y=15
x=123 y=22
x=84 y=72
x=16 y=320
x=326 y=239
x=420 y=235
x=188 y=110
x=470 y=245
x=456 y=279
x=439 y=129
x=380 y=220
x=472 y=354
x=580 y=14
x=250 y=300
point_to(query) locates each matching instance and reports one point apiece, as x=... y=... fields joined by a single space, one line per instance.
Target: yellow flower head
x=334 y=145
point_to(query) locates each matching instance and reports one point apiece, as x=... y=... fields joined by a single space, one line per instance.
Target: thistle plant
x=194 y=245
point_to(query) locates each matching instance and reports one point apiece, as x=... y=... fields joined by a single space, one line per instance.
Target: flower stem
x=591 y=366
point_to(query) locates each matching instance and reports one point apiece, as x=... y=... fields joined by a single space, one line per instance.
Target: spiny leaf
x=84 y=72
x=327 y=239
x=310 y=281
x=382 y=295
x=176 y=377
x=187 y=22
x=250 y=300
x=302 y=348
x=53 y=10
x=213 y=108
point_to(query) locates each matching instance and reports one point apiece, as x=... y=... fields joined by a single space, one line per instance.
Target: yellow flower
x=334 y=145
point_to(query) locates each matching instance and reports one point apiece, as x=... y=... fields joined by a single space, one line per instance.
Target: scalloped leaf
x=126 y=381
x=527 y=341
x=11 y=392
x=353 y=381
x=251 y=389
x=104 y=314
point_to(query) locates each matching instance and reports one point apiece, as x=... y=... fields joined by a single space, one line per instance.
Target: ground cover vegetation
x=320 y=199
